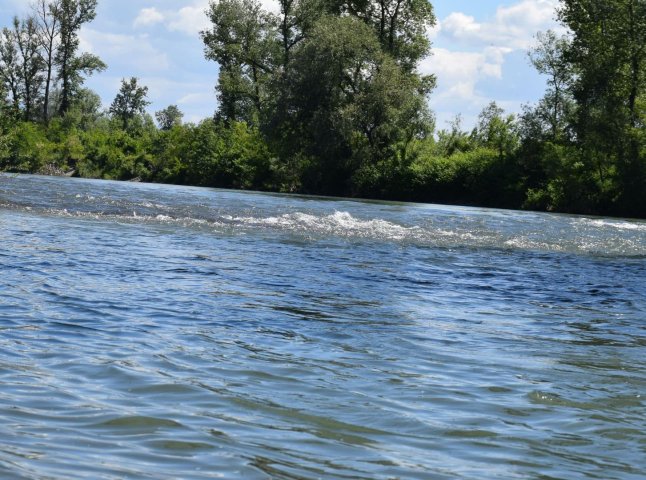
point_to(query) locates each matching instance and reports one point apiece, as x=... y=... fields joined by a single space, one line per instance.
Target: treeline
x=326 y=98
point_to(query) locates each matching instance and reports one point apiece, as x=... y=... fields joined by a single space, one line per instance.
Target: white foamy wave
x=342 y=224
x=139 y=218
x=339 y=224
x=524 y=243
x=619 y=224
x=85 y=197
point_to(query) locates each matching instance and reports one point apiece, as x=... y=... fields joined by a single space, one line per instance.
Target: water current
x=161 y=332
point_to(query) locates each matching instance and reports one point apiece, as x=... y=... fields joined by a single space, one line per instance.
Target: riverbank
x=454 y=168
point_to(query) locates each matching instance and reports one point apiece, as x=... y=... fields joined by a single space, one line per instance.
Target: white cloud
x=513 y=26
x=434 y=31
x=459 y=26
x=271 y=6
x=459 y=72
x=190 y=20
x=458 y=75
x=470 y=55
x=133 y=51
x=148 y=16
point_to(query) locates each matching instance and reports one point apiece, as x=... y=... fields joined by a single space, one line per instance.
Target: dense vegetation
x=326 y=98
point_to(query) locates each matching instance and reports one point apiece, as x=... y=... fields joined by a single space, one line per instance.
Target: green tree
x=72 y=15
x=331 y=84
x=497 y=131
x=453 y=140
x=549 y=57
x=352 y=104
x=329 y=73
x=5 y=120
x=85 y=112
x=609 y=54
x=242 y=40
x=168 y=154
x=225 y=155
x=169 y=117
x=10 y=66
x=47 y=14
x=130 y=101
x=296 y=21
x=400 y=25
x=552 y=174
x=31 y=63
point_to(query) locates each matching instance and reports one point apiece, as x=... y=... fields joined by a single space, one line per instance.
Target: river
x=163 y=332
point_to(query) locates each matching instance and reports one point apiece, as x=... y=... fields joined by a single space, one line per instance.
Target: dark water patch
x=135 y=425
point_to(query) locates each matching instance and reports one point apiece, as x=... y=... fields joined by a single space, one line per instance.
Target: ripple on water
x=136 y=424
x=151 y=332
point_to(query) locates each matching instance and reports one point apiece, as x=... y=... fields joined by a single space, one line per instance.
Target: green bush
x=27 y=148
x=233 y=156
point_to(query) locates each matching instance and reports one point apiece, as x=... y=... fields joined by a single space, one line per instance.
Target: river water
x=161 y=332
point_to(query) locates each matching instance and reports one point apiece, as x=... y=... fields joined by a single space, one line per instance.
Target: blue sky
x=479 y=53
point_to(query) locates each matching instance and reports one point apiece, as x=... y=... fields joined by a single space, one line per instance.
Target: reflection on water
x=165 y=332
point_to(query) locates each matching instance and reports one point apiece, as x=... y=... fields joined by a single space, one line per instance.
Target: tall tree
x=31 y=78
x=330 y=82
x=549 y=57
x=10 y=66
x=4 y=123
x=72 y=14
x=130 y=101
x=609 y=53
x=296 y=20
x=169 y=117
x=400 y=25
x=3 y=99
x=497 y=130
x=242 y=40
x=47 y=14
x=348 y=104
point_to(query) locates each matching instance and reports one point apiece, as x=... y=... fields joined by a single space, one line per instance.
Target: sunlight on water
x=423 y=225
x=151 y=332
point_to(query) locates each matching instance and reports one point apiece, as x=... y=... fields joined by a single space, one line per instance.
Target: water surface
x=158 y=332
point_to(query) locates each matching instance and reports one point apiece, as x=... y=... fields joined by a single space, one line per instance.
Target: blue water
x=160 y=332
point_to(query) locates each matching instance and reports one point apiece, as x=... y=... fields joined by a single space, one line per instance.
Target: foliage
x=130 y=101
x=399 y=25
x=608 y=52
x=30 y=63
x=332 y=88
x=72 y=15
x=497 y=131
x=40 y=51
x=9 y=66
x=242 y=41
x=220 y=155
x=27 y=148
x=169 y=117
x=549 y=57
x=47 y=15
x=5 y=125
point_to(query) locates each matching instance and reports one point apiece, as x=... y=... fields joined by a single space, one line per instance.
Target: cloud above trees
x=469 y=53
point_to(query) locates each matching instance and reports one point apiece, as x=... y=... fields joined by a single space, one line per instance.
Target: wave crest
x=339 y=224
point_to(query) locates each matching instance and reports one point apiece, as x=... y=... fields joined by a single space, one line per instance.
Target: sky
x=479 y=53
